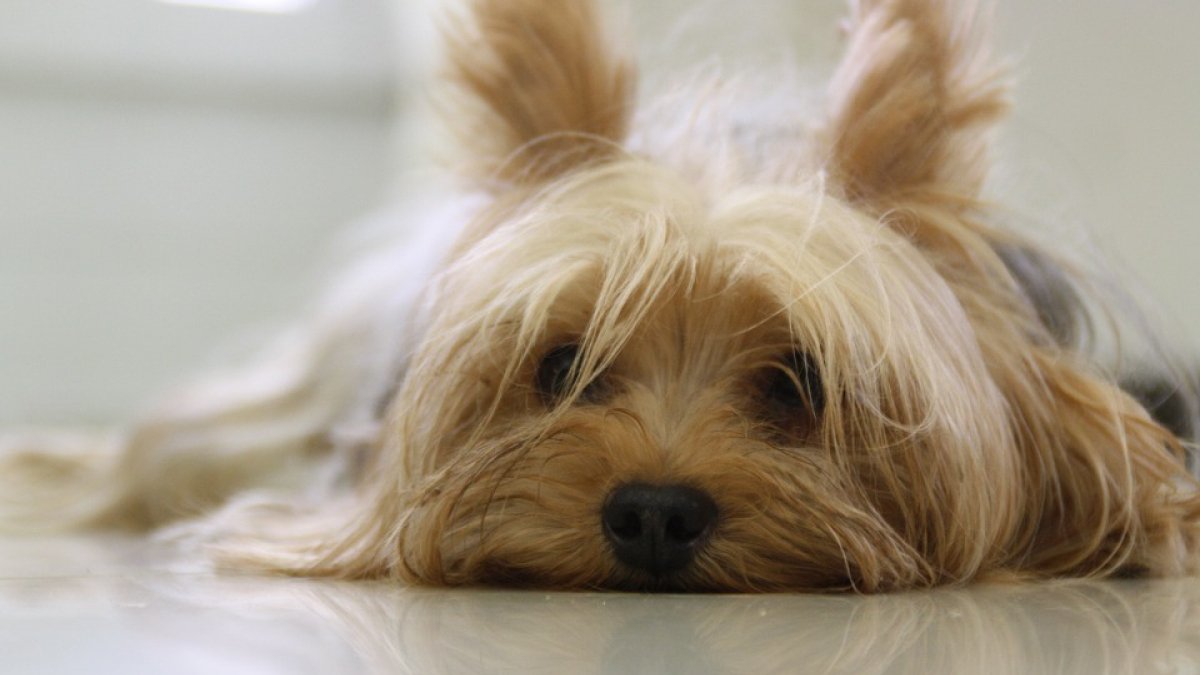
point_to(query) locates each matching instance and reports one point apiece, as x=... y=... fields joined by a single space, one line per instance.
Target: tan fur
x=913 y=105
x=962 y=435
x=539 y=89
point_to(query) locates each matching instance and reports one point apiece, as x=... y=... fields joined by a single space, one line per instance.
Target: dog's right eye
x=556 y=375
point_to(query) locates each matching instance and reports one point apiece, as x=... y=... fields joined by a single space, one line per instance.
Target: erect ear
x=542 y=90
x=914 y=101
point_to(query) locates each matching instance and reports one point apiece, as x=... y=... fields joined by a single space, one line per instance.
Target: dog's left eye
x=557 y=372
x=794 y=388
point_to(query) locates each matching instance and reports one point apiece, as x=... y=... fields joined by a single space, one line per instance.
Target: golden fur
x=963 y=431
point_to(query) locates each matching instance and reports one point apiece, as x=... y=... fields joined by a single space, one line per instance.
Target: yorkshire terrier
x=708 y=347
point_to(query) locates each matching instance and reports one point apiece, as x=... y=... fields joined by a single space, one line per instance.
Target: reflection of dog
x=723 y=356
x=1078 y=627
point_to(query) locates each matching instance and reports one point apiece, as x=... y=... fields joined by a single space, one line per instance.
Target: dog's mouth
x=671 y=583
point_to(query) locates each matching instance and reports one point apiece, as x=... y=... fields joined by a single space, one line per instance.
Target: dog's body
x=694 y=353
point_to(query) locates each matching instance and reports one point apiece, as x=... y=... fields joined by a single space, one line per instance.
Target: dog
x=704 y=345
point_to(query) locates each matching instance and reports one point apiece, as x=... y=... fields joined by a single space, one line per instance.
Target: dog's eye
x=793 y=390
x=556 y=375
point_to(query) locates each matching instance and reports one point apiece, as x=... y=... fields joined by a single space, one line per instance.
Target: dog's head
x=811 y=366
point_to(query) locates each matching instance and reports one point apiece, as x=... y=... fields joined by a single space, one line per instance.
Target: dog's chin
x=697 y=581
x=618 y=577
x=621 y=579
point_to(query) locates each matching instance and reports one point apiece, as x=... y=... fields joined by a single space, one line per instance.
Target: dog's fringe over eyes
x=642 y=353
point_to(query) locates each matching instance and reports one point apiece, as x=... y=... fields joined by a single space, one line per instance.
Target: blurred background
x=172 y=173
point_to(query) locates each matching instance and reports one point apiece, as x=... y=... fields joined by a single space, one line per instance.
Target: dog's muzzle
x=657 y=528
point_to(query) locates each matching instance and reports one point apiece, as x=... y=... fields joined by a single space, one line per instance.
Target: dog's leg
x=215 y=439
x=314 y=393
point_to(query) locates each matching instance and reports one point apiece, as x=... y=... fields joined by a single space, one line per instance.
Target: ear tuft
x=542 y=90
x=914 y=101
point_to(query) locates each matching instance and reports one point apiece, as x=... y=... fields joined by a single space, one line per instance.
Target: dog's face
x=817 y=372
x=682 y=392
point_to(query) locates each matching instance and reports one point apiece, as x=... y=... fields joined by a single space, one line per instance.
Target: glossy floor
x=105 y=605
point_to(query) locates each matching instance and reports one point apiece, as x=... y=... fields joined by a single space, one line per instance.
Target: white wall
x=1107 y=134
x=170 y=176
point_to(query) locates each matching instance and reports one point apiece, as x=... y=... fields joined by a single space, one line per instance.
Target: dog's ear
x=913 y=102
x=540 y=90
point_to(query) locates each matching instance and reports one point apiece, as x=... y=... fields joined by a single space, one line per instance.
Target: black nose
x=657 y=528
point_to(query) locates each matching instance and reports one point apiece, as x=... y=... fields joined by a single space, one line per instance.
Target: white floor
x=100 y=605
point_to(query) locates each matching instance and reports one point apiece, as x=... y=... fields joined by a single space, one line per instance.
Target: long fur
x=967 y=431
